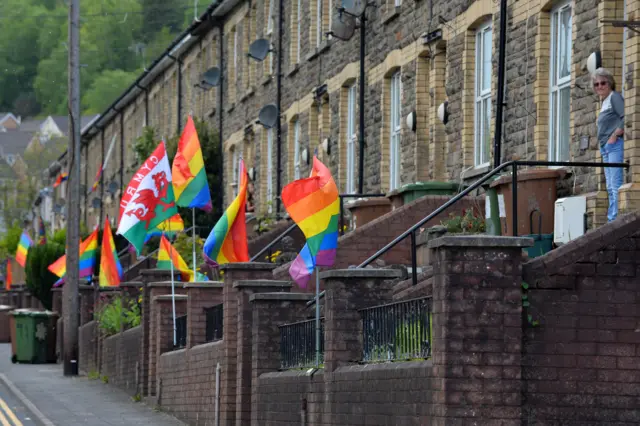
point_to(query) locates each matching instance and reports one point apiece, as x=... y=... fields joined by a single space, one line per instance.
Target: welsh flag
x=148 y=199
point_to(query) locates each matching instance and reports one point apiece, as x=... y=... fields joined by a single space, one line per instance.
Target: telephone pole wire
x=70 y=289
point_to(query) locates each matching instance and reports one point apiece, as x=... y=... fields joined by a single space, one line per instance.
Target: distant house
x=8 y=121
x=13 y=143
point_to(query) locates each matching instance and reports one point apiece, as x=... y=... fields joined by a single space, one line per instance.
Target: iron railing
x=398 y=331
x=298 y=344
x=411 y=232
x=181 y=332
x=274 y=242
x=214 y=323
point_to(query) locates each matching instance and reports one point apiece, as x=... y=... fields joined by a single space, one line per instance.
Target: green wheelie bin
x=33 y=329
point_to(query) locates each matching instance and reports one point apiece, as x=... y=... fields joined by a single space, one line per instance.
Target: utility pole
x=70 y=289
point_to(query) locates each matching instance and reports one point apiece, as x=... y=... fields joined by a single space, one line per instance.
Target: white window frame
x=234 y=170
x=296 y=149
x=270 y=17
x=557 y=85
x=269 y=169
x=235 y=50
x=482 y=97
x=395 y=130
x=350 y=186
x=397 y=3
x=299 y=32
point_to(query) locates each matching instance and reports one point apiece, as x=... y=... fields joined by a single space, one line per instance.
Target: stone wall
x=188 y=380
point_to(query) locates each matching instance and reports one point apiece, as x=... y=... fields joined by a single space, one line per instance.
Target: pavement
x=39 y=394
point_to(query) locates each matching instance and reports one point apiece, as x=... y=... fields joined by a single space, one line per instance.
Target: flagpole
x=173 y=282
x=317 y=317
x=193 y=233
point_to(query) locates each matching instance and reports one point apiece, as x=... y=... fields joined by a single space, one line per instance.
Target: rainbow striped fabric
x=8 y=279
x=168 y=255
x=62 y=177
x=96 y=180
x=227 y=242
x=190 y=185
x=88 y=249
x=23 y=248
x=169 y=227
x=314 y=204
x=42 y=233
x=110 y=268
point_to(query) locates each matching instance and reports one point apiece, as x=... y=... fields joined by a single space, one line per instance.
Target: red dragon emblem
x=149 y=200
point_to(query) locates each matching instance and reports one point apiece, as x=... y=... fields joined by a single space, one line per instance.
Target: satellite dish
x=268 y=116
x=354 y=7
x=95 y=203
x=259 y=49
x=343 y=27
x=113 y=187
x=210 y=78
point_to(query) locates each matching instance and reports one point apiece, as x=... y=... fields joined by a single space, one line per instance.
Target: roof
x=62 y=121
x=15 y=141
x=30 y=125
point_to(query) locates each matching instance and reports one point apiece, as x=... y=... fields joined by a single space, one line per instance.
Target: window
x=397 y=3
x=235 y=49
x=296 y=149
x=234 y=171
x=351 y=139
x=560 y=80
x=269 y=169
x=394 y=146
x=482 y=123
x=299 y=28
x=319 y=22
x=270 y=16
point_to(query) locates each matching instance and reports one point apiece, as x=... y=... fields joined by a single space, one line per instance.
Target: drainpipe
x=502 y=45
x=178 y=61
x=146 y=104
x=363 y=20
x=86 y=184
x=121 y=153
x=279 y=105
x=220 y=113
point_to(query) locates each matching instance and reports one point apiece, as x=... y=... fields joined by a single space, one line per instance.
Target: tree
x=39 y=279
x=10 y=240
x=105 y=88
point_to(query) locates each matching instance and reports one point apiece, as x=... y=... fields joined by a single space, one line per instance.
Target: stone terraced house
x=419 y=55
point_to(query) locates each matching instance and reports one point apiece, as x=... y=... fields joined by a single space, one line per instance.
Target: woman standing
x=610 y=131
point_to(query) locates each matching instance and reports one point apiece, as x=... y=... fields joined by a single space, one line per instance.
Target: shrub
x=39 y=279
x=113 y=314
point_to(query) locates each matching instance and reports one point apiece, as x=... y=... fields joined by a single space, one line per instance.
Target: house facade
x=419 y=55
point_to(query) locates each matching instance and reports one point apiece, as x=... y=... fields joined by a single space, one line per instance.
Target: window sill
x=231 y=107
x=211 y=112
x=267 y=80
x=475 y=172
x=391 y=15
x=294 y=69
x=324 y=46
x=250 y=91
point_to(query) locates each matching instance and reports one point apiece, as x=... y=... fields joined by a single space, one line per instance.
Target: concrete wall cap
x=132 y=284
x=109 y=289
x=151 y=272
x=55 y=289
x=284 y=297
x=481 y=241
x=177 y=284
x=169 y=298
x=4 y=308
x=86 y=288
x=204 y=284
x=361 y=273
x=248 y=266
x=262 y=283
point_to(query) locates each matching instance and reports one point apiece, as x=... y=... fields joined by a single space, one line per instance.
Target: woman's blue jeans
x=613 y=153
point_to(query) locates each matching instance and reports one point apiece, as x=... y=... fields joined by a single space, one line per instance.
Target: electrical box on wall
x=569 y=219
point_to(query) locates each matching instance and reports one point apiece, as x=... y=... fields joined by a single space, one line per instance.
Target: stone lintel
x=204 y=284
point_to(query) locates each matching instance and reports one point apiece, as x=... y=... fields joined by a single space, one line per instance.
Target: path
x=71 y=401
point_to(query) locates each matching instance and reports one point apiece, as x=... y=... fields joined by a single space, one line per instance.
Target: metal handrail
x=274 y=242
x=514 y=179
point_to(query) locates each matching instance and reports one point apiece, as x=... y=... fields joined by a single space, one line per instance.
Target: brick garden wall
x=581 y=364
x=187 y=377
x=87 y=346
x=126 y=376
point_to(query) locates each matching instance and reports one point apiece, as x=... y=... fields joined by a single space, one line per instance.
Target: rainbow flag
x=42 y=233
x=88 y=249
x=190 y=185
x=8 y=280
x=168 y=255
x=96 y=180
x=169 y=227
x=23 y=248
x=110 y=268
x=62 y=177
x=227 y=242
x=314 y=204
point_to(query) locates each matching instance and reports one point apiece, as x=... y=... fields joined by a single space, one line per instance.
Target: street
x=12 y=411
